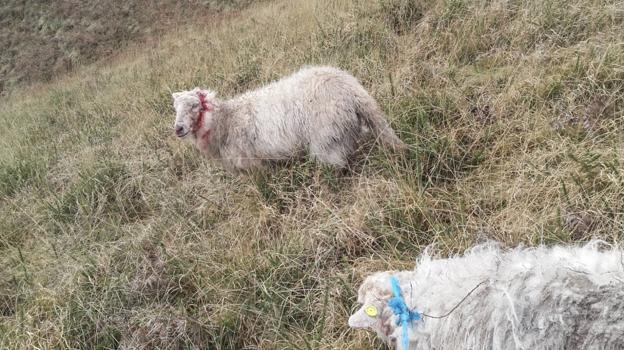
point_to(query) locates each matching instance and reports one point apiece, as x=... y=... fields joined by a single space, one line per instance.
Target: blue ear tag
x=404 y=314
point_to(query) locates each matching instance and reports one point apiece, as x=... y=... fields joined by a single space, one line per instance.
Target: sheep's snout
x=360 y=320
x=353 y=322
x=180 y=131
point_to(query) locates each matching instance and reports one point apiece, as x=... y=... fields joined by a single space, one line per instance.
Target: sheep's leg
x=334 y=136
x=335 y=156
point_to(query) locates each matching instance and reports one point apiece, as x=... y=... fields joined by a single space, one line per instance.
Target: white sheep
x=322 y=111
x=525 y=298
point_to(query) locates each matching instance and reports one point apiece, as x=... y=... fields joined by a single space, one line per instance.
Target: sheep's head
x=375 y=313
x=193 y=110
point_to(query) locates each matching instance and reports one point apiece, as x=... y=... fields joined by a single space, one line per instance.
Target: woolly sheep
x=320 y=110
x=525 y=298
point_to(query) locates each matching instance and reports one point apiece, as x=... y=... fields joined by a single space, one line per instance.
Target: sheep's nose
x=179 y=130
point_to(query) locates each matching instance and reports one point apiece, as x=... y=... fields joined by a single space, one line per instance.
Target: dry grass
x=113 y=234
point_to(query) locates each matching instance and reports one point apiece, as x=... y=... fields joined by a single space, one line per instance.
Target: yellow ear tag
x=370 y=310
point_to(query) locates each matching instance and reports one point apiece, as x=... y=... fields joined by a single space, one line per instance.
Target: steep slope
x=41 y=39
x=114 y=234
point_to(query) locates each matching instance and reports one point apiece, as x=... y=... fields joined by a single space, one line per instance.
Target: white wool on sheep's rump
x=526 y=298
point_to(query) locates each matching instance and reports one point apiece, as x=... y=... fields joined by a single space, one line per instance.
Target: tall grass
x=115 y=235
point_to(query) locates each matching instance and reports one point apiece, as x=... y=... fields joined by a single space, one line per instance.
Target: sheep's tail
x=368 y=110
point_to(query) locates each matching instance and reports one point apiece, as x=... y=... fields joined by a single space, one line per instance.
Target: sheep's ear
x=210 y=95
x=361 y=320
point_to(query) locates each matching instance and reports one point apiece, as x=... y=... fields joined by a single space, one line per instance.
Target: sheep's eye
x=370 y=310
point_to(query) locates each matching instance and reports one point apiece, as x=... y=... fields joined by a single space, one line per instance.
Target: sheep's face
x=188 y=108
x=375 y=314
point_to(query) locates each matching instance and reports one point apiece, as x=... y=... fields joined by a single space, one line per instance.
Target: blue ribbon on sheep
x=404 y=314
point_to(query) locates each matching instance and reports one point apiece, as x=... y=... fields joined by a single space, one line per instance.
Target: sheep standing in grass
x=319 y=110
x=526 y=298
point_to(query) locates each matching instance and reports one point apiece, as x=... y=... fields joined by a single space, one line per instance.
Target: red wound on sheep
x=204 y=108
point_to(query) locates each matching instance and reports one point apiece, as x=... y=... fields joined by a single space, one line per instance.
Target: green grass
x=116 y=235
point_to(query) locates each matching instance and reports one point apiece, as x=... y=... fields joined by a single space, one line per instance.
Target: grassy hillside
x=41 y=39
x=116 y=235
